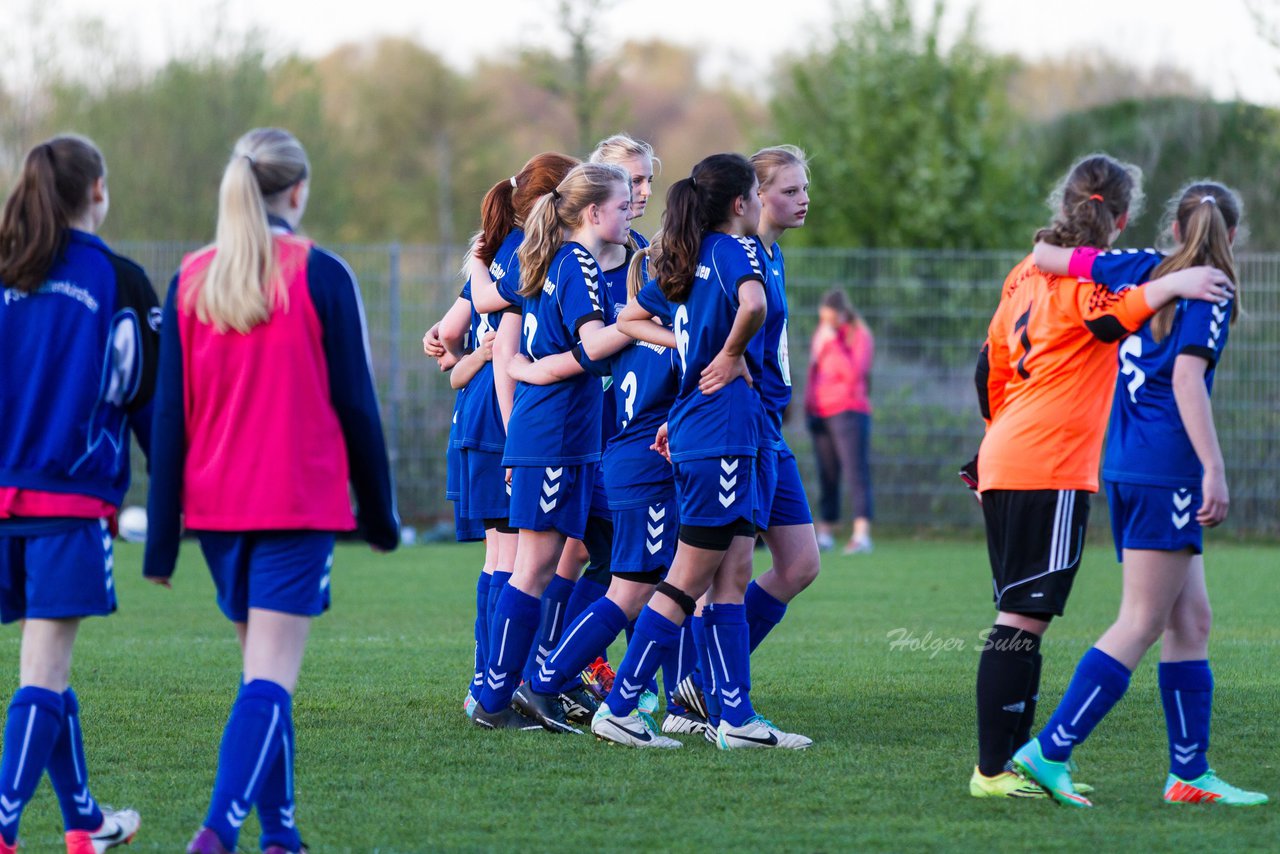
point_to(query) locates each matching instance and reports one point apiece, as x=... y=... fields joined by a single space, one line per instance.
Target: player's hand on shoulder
x=431 y=344
x=1202 y=283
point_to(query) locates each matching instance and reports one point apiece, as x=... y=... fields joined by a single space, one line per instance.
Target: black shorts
x=1035 y=538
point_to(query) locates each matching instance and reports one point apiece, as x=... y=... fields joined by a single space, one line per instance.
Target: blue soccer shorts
x=485 y=491
x=55 y=569
x=544 y=498
x=1156 y=518
x=644 y=537
x=716 y=492
x=781 y=492
x=286 y=571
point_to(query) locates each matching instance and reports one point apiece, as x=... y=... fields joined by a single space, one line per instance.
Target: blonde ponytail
x=240 y=288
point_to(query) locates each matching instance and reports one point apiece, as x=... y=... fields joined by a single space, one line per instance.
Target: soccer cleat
x=648 y=702
x=598 y=677
x=508 y=718
x=206 y=842
x=1053 y=777
x=685 y=722
x=689 y=695
x=546 y=709
x=469 y=704
x=1006 y=784
x=632 y=730
x=119 y=827
x=280 y=849
x=579 y=705
x=1209 y=788
x=758 y=732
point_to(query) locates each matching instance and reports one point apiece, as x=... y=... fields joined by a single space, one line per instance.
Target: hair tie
x=249 y=157
x=693 y=182
x=513 y=182
x=1096 y=198
x=555 y=194
x=1210 y=199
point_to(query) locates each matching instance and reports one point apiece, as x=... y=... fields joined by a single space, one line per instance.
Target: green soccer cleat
x=1209 y=788
x=1053 y=777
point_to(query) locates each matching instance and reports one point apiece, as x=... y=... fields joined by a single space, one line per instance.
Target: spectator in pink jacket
x=839 y=416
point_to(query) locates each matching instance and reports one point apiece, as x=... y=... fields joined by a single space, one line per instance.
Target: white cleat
x=118 y=828
x=632 y=730
x=758 y=732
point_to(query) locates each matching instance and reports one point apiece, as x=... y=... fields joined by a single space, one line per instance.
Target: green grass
x=387 y=763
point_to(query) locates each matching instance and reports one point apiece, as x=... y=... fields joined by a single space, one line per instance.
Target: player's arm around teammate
x=265 y=411
x=554 y=432
x=1163 y=462
x=78 y=347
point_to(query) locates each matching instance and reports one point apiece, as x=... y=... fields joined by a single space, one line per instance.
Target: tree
x=911 y=145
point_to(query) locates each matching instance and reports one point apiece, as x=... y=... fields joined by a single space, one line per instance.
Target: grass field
x=387 y=762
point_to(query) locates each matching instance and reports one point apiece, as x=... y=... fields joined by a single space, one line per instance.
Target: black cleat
x=579 y=705
x=543 y=708
x=689 y=695
x=508 y=718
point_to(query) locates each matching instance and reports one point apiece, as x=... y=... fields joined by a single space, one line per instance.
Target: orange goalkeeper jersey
x=1045 y=378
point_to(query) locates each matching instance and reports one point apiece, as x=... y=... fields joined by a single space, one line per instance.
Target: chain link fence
x=928 y=310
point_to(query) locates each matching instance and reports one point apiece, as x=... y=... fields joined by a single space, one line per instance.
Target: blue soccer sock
x=585 y=592
x=708 y=674
x=276 y=808
x=728 y=639
x=555 y=599
x=598 y=626
x=497 y=581
x=69 y=773
x=481 y=632
x=1098 y=684
x=1186 y=691
x=251 y=745
x=681 y=660
x=30 y=732
x=654 y=635
x=763 y=613
x=515 y=622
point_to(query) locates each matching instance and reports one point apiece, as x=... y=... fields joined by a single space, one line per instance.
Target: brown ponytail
x=53 y=189
x=1090 y=200
x=1206 y=212
x=508 y=202
x=696 y=205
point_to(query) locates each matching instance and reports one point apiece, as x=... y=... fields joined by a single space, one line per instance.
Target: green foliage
x=386 y=761
x=912 y=144
x=1176 y=140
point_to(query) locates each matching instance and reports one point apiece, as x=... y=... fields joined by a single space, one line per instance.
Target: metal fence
x=928 y=310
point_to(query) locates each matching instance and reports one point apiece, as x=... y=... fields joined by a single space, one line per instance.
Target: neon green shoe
x=1081 y=788
x=1209 y=788
x=1006 y=784
x=1055 y=777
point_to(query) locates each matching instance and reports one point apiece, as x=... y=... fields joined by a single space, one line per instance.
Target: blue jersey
x=646 y=379
x=558 y=424
x=612 y=298
x=774 y=385
x=1147 y=442
x=78 y=364
x=726 y=423
x=479 y=420
x=505 y=268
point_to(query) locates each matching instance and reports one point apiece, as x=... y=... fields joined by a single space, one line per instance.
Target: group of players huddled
x=628 y=397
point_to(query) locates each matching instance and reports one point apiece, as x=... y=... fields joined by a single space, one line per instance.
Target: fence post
x=395 y=384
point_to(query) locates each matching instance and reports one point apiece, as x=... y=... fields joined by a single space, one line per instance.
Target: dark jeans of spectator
x=843 y=447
